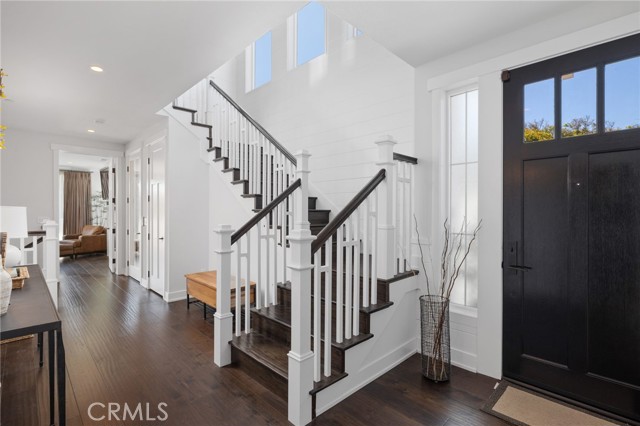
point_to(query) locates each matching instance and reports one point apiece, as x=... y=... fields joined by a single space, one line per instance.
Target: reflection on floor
x=125 y=345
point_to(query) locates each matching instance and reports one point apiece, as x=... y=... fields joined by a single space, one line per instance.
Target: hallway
x=124 y=344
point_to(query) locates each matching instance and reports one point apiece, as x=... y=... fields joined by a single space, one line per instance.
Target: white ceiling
x=151 y=52
x=424 y=31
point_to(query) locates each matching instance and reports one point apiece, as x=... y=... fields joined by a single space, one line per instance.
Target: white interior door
x=134 y=222
x=112 y=218
x=156 y=234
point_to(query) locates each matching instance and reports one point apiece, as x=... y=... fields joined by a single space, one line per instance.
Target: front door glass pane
x=622 y=95
x=579 y=103
x=539 y=111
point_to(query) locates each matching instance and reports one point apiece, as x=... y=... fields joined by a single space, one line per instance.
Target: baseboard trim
x=464 y=360
x=174 y=296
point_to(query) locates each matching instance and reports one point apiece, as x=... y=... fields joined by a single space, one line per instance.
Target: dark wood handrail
x=344 y=214
x=405 y=158
x=265 y=211
x=261 y=129
x=39 y=234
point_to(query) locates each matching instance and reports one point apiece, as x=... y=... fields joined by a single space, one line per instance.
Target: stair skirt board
x=395 y=331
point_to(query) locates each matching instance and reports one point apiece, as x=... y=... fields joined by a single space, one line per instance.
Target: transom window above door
x=582 y=102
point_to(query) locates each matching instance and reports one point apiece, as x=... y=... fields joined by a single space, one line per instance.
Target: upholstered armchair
x=93 y=239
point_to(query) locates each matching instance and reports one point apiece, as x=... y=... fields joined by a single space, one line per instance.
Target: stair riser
x=234 y=173
x=276 y=330
x=383 y=287
x=257 y=371
x=284 y=296
x=313 y=201
x=318 y=216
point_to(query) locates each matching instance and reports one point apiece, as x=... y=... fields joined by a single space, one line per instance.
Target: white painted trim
x=175 y=296
x=373 y=370
x=464 y=360
x=597 y=34
x=88 y=151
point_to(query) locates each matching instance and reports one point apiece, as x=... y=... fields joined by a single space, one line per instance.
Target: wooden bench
x=202 y=286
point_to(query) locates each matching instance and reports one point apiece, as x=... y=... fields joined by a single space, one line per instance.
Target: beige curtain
x=104 y=183
x=77 y=201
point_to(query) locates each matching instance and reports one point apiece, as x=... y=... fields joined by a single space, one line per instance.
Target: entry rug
x=522 y=407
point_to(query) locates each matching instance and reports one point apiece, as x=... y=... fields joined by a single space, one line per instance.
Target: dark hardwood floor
x=124 y=344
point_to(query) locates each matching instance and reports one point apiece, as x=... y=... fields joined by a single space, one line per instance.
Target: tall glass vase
x=436 y=348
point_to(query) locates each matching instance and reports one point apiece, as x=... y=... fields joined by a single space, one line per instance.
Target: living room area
x=83 y=205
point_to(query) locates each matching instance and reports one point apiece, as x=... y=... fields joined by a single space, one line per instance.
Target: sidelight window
x=463 y=187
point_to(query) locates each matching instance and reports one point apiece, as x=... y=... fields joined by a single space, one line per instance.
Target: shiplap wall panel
x=335 y=106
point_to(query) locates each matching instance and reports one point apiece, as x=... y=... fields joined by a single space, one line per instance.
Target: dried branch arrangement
x=454 y=255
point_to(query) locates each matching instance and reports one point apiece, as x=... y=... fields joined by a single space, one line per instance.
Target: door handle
x=520 y=268
x=161 y=238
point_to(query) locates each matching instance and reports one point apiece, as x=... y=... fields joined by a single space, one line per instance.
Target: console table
x=32 y=311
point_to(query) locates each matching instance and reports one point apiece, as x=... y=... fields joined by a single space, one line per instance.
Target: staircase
x=318 y=218
x=331 y=312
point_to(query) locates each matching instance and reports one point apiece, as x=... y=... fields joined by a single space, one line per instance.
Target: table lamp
x=13 y=221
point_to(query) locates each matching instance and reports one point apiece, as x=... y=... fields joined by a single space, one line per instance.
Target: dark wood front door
x=572 y=226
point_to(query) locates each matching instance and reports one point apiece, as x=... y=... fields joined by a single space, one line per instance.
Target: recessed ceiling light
x=69 y=162
x=91 y=131
x=96 y=68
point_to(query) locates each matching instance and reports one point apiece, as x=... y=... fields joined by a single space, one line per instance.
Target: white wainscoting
x=464 y=336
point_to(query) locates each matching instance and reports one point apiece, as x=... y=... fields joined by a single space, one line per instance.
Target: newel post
x=51 y=255
x=223 y=318
x=300 y=356
x=386 y=205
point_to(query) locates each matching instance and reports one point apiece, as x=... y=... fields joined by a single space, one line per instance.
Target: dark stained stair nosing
x=207 y=126
x=179 y=108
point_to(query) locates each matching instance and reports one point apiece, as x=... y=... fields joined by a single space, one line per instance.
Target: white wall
x=187 y=187
x=432 y=83
x=27 y=169
x=335 y=106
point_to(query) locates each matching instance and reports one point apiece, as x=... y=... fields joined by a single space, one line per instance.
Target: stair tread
x=179 y=108
x=267 y=351
x=320 y=210
x=220 y=159
x=230 y=169
x=272 y=354
x=213 y=148
x=251 y=195
x=282 y=315
x=238 y=182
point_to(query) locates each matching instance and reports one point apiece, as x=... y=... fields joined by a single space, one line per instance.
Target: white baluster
x=328 y=273
x=348 y=285
x=365 y=252
x=247 y=287
x=374 y=249
x=51 y=253
x=238 y=294
x=339 y=285
x=356 y=274
x=317 y=309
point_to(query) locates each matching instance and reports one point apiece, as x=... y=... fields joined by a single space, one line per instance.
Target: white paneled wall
x=334 y=106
